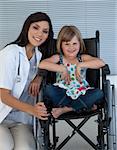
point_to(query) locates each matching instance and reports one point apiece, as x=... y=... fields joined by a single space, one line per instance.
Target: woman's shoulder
x=10 y=50
x=8 y=54
x=11 y=47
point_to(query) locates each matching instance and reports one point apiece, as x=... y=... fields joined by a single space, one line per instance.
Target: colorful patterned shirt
x=75 y=88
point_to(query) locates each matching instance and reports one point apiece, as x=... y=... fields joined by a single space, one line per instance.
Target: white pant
x=16 y=137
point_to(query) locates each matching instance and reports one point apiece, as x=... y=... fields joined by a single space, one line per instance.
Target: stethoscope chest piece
x=18 y=79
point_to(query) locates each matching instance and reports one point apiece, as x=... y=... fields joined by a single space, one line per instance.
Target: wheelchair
x=96 y=78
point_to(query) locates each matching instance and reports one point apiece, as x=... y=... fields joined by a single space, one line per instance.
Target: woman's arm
x=39 y=110
x=34 y=86
x=91 y=62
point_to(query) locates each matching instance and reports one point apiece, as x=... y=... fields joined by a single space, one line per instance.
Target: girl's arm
x=91 y=62
x=50 y=64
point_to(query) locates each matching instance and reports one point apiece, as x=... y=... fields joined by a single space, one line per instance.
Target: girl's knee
x=99 y=94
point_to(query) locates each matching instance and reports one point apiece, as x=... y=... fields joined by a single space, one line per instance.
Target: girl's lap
x=58 y=98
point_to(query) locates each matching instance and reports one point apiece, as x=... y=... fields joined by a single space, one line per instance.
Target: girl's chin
x=72 y=55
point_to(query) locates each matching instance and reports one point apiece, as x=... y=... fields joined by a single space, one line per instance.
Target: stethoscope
x=18 y=79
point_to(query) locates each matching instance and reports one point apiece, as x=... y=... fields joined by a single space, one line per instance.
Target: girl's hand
x=65 y=75
x=34 y=86
x=40 y=111
x=78 y=73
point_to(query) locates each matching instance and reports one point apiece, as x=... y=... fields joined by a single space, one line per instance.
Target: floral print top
x=75 y=88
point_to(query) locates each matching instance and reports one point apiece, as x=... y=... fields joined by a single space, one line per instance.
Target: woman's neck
x=29 y=51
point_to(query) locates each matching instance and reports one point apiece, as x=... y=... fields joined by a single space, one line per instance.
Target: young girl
x=71 y=92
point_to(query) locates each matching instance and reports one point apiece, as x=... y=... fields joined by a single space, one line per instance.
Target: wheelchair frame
x=106 y=137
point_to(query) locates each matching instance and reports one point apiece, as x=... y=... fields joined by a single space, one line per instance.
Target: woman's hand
x=40 y=111
x=35 y=86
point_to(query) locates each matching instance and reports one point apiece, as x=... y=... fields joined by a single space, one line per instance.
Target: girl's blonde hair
x=66 y=34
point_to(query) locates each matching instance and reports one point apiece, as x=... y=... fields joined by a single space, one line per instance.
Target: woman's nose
x=40 y=33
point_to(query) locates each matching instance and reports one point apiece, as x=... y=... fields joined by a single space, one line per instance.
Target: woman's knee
x=6 y=140
x=25 y=147
x=23 y=137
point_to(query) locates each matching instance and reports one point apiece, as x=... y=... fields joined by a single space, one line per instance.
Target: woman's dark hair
x=47 y=47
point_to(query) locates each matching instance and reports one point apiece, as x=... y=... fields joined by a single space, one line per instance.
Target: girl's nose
x=71 y=46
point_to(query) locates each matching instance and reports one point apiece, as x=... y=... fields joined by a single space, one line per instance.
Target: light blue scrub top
x=16 y=115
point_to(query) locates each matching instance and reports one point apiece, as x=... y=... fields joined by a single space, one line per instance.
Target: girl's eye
x=66 y=43
x=74 y=43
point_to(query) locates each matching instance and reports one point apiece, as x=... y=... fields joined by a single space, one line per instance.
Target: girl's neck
x=72 y=60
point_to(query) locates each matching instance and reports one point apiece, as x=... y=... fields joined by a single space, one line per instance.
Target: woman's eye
x=34 y=27
x=46 y=32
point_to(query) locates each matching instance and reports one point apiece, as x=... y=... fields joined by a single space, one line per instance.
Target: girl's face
x=71 y=48
x=38 y=33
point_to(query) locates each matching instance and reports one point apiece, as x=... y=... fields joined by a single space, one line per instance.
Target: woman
x=19 y=83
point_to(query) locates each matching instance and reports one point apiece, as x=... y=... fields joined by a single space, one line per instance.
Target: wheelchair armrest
x=105 y=72
x=42 y=72
x=105 y=69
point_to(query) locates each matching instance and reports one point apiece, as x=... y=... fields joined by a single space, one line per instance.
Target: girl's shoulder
x=85 y=57
x=54 y=58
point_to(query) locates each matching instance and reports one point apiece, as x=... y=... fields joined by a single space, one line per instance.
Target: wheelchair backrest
x=93 y=48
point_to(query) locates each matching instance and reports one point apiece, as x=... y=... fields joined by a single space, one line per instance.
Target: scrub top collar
x=37 y=53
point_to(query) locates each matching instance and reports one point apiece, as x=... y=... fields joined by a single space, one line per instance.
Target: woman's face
x=38 y=33
x=71 y=48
